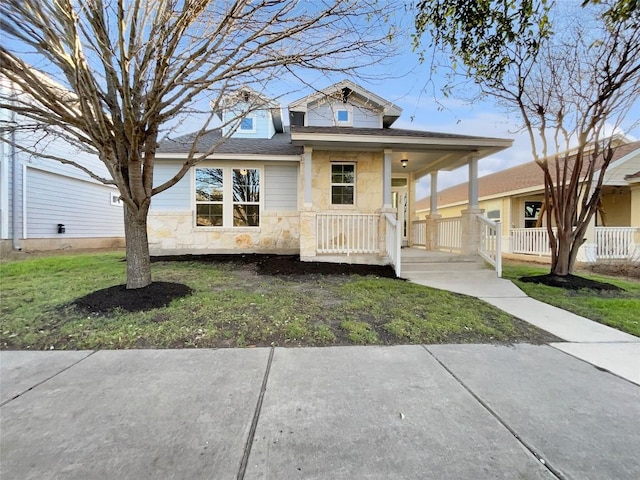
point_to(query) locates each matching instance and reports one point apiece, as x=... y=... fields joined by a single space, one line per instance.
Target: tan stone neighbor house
x=337 y=185
x=515 y=196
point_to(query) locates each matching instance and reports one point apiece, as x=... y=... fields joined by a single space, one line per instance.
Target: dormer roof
x=345 y=91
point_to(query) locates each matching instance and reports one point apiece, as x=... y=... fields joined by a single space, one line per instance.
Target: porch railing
x=616 y=242
x=530 y=240
x=393 y=242
x=449 y=235
x=491 y=242
x=419 y=233
x=347 y=233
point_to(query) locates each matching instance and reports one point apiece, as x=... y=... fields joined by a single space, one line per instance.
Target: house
x=47 y=205
x=338 y=185
x=516 y=195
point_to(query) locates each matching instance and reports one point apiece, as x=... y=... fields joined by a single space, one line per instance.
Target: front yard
x=618 y=309
x=233 y=304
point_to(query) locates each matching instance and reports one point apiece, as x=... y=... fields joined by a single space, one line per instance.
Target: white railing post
x=491 y=242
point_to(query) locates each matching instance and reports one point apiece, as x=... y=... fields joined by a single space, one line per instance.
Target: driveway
x=440 y=412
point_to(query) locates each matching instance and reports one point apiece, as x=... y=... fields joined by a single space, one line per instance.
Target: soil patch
x=285 y=265
x=570 y=282
x=156 y=295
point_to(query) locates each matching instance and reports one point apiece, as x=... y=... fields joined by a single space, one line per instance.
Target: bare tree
x=572 y=89
x=112 y=76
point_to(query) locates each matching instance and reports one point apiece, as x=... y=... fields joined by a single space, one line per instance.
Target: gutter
x=14 y=183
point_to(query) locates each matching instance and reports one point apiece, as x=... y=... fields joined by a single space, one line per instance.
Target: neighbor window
x=227 y=197
x=343 y=183
x=531 y=213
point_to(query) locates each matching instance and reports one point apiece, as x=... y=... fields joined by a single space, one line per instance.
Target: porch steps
x=416 y=262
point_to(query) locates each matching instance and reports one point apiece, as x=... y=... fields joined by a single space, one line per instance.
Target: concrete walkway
x=602 y=346
x=441 y=412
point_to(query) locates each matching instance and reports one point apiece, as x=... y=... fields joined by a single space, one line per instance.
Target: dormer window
x=344 y=116
x=248 y=125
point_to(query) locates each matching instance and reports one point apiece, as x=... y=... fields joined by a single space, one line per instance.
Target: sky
x=405 y=82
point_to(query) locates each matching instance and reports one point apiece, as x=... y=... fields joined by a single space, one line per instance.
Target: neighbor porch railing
x=530 y=240
x=491 y=242
x=347 y=233
x=419 y=228
x=616 y=242
x=449 y=236
x=393 y=241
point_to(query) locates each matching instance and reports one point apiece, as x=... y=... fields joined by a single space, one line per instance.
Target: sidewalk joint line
x=256 y=417
x=528 y=447
x=46 y=380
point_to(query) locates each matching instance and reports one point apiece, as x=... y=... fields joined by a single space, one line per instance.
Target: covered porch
x=391 y=230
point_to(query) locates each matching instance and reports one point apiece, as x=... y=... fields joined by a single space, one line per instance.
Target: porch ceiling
x=426 y=152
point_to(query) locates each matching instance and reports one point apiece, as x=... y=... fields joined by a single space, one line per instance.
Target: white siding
x=177 y=197
x=281 y=187
x=618 y=170
x=84 y=208
x=262 y=121
x=322 y=115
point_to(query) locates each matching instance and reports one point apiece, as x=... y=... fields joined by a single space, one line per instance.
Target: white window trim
x=338 y=108
x=331 y=185
x=253 y=119
x=227 y=193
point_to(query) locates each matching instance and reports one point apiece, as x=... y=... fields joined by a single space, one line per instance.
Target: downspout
x=14 y=182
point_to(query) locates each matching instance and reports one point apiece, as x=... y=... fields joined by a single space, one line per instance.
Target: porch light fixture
x=404 y=162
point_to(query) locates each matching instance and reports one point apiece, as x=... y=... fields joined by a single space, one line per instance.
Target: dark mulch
x=156 y=295
x=285 y=265
x=570 y=282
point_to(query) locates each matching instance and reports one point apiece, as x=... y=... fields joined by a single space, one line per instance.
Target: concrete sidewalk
x=603 y=346
x=448 y=411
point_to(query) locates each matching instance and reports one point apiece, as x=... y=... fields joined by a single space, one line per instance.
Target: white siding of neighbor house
x=84 y=208
x=322 y=115
x=625 y=166
x=177 y=197
x=281 y=187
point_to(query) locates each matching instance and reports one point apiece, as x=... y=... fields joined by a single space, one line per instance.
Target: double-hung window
x=227 y=197
x=343 y=183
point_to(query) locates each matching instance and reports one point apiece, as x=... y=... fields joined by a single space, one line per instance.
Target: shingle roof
x=391 y=132
x=279 y=144
x=527 y=175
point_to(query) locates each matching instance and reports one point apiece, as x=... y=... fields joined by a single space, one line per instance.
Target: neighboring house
x=337 y=186
x=516 y=195
x=45 y=205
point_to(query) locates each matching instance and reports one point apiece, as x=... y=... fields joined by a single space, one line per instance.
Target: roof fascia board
x=232 y=156
x=398 y=139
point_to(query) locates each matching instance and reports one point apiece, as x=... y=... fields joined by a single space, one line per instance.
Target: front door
x=399 y=201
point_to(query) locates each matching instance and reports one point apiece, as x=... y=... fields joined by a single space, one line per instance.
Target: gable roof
x=347 y=89
x=527 y=176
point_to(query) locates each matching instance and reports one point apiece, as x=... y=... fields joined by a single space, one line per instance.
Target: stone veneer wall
x=172 y=233
x=369 y=185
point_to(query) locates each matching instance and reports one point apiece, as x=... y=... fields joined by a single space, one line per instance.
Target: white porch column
x=386 y=179
x=433 y=210
x=470 y=226
x=308 y=175
x=473 y=182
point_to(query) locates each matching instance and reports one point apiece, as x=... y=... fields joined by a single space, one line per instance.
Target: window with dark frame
x=343 y=183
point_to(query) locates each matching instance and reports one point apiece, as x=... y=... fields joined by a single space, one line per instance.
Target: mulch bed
x=571 y=282
x=156 y=295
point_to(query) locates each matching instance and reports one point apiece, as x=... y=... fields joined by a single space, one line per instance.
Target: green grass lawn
x=620 y=310
x=232 y=305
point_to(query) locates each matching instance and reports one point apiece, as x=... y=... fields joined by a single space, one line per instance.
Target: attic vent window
x=245 y=96
x=345 y=94
x=344 y=116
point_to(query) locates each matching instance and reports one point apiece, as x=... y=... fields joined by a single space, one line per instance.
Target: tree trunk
x=138 y=260
x=562 y=264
